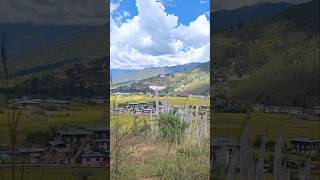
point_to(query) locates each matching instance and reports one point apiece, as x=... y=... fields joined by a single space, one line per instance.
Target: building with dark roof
x=305 y=146
x=89 y=157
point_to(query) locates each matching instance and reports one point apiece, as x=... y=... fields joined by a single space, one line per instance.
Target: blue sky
x=186 y=10
x=148 y=33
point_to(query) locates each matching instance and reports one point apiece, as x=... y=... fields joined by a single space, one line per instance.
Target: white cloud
x=126 y=14
x=203 y=1
x=114 y=5
x=154 y=38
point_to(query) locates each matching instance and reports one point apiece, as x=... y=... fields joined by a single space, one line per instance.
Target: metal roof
x=91 y=154
x=74 y=132
x=100 y=128
x=223 y=141
x=31 y=150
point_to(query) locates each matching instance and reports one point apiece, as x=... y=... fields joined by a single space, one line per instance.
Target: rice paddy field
x=230 y=125
x=77 y=114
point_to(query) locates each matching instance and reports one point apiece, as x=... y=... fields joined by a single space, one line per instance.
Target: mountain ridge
x=223 y=19
x=140 y=74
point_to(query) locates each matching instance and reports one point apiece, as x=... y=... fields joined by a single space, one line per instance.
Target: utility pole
x=157 y=88
x=157 y=102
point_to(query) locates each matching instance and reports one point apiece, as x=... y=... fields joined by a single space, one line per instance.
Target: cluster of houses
x=37 y=104
x=84 y=146
x=95 y=100
x=148 y=108
x=135 y=108
x=305 y=146
x=298 y=113
x=34 y=104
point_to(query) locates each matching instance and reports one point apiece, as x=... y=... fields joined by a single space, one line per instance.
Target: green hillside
x=84 y=45
x=279 y=57
x=78 y=80
x=194 y=81
x=141 y=74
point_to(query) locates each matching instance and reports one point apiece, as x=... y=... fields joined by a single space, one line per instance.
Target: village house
x=305 y=146
x=296 y=110
x=74 y=135
x=118 y=110
x=89 y=157
x=37 y=104
x=138 y=111
x=62 y=155
x=32 y=155
x=25 y=104
x=96 y=100
x=57 y=143
x=71 y=139
x=259 y=108
x=132 y=105
x=142 y=105
x=101 y=132
x=147 y=111
x=273 y=109
x=316 y=111
x=102 y=143
x=299 y=116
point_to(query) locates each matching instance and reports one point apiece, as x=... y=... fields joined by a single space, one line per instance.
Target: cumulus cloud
x=154 y=38
x=84 y=12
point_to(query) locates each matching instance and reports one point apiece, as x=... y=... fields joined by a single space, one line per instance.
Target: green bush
x=171 y=127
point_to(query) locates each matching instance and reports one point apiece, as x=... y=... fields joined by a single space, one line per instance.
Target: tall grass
x=123 y=145
x=13 y=116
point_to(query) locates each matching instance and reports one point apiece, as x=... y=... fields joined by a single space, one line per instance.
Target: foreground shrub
x=171 y=127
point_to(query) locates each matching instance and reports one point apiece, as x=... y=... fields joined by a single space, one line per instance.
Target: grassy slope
x=281 y=57
x=200 y=80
